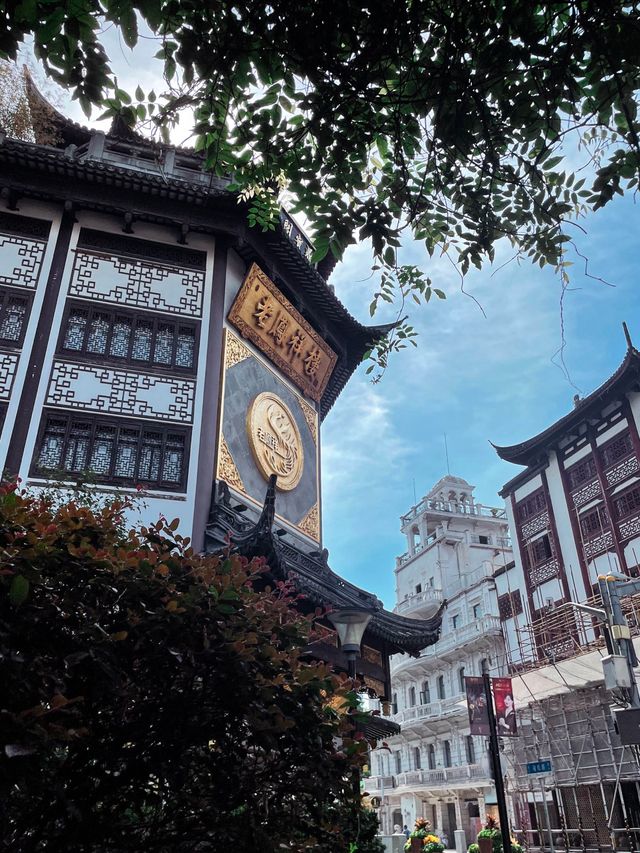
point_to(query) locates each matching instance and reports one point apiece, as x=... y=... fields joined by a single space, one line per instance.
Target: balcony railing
x=431 y=595
x=479 y=628
x=375 y=783
x=454 y=507
x=438 y=708
x=443 y=776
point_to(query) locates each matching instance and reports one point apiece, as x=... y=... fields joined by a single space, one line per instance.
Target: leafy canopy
x=154 y=700
x=447 y=118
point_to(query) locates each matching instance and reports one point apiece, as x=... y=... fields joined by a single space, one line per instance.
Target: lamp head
x=350 y=623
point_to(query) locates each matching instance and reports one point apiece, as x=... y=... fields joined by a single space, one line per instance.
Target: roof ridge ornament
x=627 y=336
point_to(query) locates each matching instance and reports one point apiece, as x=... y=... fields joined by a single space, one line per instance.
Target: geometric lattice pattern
x=8 y=365
x=590 y=492
x=20 y=261
x=510 y=604
x=134 y=338
x=598 y=545
x=113 y=452
x=126 y=281
x=630 y=527
x=541 y=574
x=534 y=526
x=622 y=471
x=94 y=388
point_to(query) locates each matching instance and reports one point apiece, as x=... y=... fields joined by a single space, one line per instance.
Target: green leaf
x=19 y=590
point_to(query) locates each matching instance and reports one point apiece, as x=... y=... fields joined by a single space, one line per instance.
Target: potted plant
x=421 y=840
x=490 y=837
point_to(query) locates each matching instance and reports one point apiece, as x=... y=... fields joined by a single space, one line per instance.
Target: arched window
x=461 y=678
x=431 y=757
x=441 y=693
x=398 y=755
x=416 y=758
x=446 y=753
x=394 y=702
x=412 y=697
x=425 y=694
x=415 y=536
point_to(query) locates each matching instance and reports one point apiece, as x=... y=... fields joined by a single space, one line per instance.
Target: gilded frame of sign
x=234 y=351
x=266 y=323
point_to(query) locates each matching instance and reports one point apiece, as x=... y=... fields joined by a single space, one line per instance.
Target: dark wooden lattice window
x=538 y=552
x=616 y=449
x=581 y=472
x=627 y=503
x=532 y=505
x=592 y=523
x=140 y=341
x=510 y=605
x=14 y=313
x=114 y=452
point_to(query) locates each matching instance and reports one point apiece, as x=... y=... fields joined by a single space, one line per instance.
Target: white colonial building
x=435 y=768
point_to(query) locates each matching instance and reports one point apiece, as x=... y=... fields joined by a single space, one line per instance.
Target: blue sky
x=472 y=377
x=476 y=379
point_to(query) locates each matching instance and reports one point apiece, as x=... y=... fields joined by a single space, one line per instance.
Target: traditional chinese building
x=150 y=338
x=574 y=512
x=436 y=768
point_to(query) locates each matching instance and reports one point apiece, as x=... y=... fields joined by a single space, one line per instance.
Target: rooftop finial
x=627 y=335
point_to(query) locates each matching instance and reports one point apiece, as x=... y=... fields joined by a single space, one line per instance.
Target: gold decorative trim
x=372 y=655
x=227 y=470
x=310 y=524
x=311 y=417
x=235 y=351
x=375 y=685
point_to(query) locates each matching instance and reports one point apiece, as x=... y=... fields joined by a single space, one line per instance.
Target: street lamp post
x=350 y=623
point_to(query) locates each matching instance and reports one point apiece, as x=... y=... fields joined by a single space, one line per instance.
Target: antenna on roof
x=627 y=335
x=446 y=452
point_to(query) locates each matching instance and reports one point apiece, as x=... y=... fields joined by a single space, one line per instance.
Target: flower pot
x=416 y=845
x=486 y=845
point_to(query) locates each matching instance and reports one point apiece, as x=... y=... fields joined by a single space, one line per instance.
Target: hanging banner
x=505 y=708
x=476 y=705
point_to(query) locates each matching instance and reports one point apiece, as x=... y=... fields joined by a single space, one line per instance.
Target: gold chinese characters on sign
x=265 y=317
x=275 y=440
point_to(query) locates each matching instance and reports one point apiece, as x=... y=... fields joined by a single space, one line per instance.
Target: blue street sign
x=539 y=767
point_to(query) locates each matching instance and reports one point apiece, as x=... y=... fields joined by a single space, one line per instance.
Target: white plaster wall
x=608 y=434
x=527 y=488
x=632 y=551
x=602 y=565
x=550 y=590
x=154 y=503
x=577 y=456
x=52 y=214
x=566 y=539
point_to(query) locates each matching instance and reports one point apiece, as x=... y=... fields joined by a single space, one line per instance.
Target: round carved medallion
x=275 y=440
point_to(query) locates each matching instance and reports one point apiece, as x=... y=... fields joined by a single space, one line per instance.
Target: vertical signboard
x=505 y=708
x=476 y=705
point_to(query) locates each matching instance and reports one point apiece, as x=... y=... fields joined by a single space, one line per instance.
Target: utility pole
x=612 y=587
x=494 y=754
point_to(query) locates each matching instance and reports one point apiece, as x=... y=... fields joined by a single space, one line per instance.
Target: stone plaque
x=267 y=319
x=266 y=427
x=275 y=440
